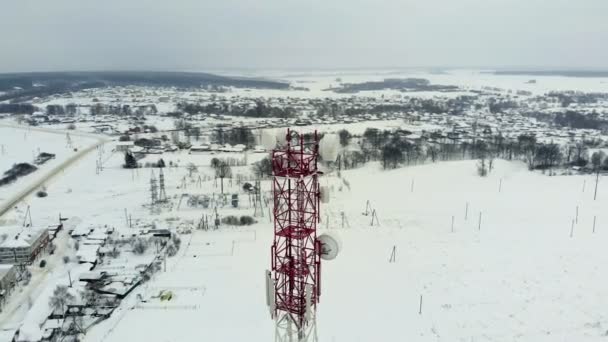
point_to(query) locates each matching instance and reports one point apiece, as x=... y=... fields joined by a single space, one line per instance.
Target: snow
x=22 y=145
x=29 y=333
x=20 y=236
x=328 y=147
x=87 y=253
x=318 y=81
x=4 y=269
x=520 y=277
x=518 y=266
x=7 y=335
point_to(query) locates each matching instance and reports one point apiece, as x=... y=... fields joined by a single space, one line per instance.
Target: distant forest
x=564 y=73
x=25 y=86
x=261 y=110
x=407 y=84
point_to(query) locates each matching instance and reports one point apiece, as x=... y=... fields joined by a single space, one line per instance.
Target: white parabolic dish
x=269 y=139
x=330 y=246
x=328 y=147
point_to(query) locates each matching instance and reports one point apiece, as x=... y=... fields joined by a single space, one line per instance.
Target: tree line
x=259 y=110
x=396 y=148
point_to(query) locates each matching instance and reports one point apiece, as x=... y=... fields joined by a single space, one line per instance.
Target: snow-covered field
x=22 y=145
x=519 y=276
x=318 y=81
x=515 y=256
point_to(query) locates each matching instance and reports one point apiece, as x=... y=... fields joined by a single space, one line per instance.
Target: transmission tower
x=153 y=189
x=257 y=200
x=296 y=252
x=162 y=195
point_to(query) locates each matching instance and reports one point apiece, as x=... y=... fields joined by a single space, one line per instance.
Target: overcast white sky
x=282 y=34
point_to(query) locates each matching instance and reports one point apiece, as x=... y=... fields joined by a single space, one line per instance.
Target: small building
x=199 y=149
x=124 y=146
x=103 y=128
x=8 y=276
x=8 y=280
x=160 y=232
x=87 y=253
x=239 y=148
x=22 y=244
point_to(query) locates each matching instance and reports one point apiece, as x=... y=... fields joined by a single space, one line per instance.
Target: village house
x=8 y=280
x=22 y=244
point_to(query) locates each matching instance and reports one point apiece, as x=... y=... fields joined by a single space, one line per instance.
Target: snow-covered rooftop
x=17 y=237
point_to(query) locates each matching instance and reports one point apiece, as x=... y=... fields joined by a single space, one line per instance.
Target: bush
x=235 y=221
x=140 y=246
x=124 y=138
x=42 y=263
x=130 y=161
x=177 y=241
x=247 y=220
x=114 y=253
x=247 y=187
x=171 y=250
x=42 y=194
x=66 y=259
x=151 y=128
x=71 y=126
x=26 y=276
x=231 y=220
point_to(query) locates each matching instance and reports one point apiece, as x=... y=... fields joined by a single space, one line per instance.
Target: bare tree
x=262 y=168
x=345 y=137
x=482 y=169
x=140 y=246
x=175 y=137
x=597 y=158
x=191 y=169
x=60 y=299
x=215 y=163
x=580 y=153
x=223 y=171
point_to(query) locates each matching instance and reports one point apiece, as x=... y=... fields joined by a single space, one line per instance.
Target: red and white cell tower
x=293 y=286
x=296 y=252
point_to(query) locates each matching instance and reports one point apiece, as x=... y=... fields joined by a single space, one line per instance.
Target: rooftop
x=15 y=236
x=4 y=269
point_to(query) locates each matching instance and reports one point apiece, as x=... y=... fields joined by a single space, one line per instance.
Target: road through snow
x=54 y=171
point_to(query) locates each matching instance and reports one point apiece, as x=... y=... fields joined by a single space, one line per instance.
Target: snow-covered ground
x=318 y=81
x=509 y=257
x=22 y=145
x=521 y=276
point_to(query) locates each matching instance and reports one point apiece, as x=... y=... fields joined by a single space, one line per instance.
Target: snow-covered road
x=31 y=186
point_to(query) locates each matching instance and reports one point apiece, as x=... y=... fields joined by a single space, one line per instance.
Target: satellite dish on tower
x=324 y=194
x=328 y=147
x=330 y=246
x=269 y=139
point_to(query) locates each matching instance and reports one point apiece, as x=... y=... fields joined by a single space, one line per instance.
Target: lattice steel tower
x=296 y=252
